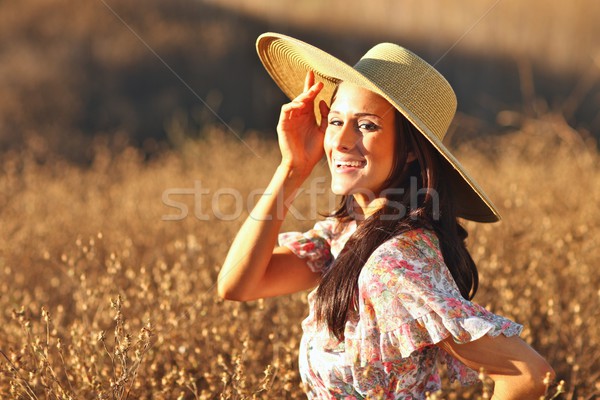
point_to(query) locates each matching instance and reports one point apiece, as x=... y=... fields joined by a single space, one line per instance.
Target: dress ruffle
x=363 y=349
x=316 y=255
x=432 y=328
x=313 y=245
x=320 y=245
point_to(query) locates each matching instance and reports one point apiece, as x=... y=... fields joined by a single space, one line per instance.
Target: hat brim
x=288 y=60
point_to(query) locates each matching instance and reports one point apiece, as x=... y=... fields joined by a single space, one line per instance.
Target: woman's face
x=359 y=142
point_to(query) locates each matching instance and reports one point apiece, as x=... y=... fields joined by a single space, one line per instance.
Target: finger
x=324 y=109
x=311 y=93
x=290 y=109
x=317 y=87
x=309 y=80
x=294 y=104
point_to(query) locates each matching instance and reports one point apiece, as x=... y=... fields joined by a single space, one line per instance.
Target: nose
x=344 y=138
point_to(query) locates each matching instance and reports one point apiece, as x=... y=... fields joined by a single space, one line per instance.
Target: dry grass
x=101 y=298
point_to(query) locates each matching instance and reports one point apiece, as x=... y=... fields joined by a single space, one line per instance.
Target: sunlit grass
x=102 y=298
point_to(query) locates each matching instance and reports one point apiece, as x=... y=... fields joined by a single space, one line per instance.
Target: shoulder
x=330 y=226
x=336 y=232
x=414 y=245
x=410 y=255
x=321 y=230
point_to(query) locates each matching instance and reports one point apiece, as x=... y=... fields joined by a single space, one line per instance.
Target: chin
x=340 y=190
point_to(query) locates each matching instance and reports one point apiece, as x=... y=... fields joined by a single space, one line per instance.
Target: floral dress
x=407 y=302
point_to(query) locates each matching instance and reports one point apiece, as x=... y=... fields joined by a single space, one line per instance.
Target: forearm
x=518 y=388
x=517 y=370
x=521 y=378
x=252 y=248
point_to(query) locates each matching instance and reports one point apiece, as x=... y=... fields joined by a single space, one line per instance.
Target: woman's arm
x=254 y=267
x=518 y=371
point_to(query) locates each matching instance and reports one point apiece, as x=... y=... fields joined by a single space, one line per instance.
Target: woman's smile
x=343 y=165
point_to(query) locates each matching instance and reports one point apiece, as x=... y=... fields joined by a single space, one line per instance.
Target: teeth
x=340 y=163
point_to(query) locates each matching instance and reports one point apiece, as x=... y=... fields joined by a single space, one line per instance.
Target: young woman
x=392 y=273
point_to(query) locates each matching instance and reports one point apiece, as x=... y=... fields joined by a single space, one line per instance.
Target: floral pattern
x=408 y=302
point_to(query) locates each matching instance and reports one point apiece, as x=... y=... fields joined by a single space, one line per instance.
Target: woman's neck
x=363 y=207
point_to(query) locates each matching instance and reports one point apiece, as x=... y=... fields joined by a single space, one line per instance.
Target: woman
x=394 y=278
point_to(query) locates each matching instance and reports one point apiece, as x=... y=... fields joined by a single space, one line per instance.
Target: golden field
x=106 y=293
x=102 y=298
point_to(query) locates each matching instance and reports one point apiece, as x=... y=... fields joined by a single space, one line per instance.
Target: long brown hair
x=420 y=198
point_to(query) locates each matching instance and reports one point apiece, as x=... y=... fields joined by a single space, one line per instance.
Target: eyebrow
x=357 y=114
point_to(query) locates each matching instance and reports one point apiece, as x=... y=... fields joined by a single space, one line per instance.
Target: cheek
x=390 y=144
x=327 y=143
x=382 y=155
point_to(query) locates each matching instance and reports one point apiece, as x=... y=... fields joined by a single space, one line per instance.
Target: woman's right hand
x=300 y=137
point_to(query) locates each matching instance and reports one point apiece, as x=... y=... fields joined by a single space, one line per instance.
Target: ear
x=410 y=157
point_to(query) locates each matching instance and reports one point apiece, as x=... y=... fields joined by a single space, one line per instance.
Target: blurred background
x=133 y=70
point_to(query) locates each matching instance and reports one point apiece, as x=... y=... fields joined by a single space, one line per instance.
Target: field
x=102 y=296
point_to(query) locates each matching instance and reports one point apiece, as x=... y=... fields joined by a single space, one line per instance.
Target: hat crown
x=407 y=79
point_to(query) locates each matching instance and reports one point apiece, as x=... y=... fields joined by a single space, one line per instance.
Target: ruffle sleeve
x=408 y=300
x=313 y=245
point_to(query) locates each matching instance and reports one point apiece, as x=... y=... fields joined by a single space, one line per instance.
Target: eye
x=335 y=122
x=368 y=126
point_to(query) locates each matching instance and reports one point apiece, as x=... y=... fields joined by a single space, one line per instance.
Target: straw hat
x=409 y=83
